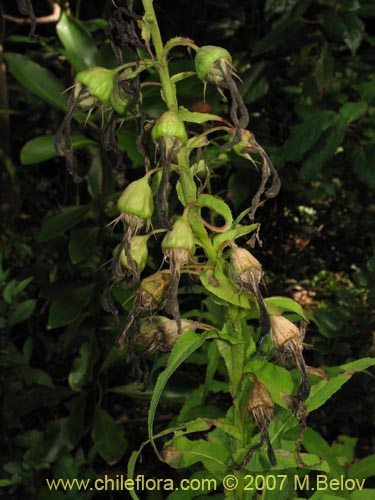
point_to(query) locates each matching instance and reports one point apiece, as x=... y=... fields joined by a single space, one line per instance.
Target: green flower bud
x=206 y=66
x=179 y=237
x=136 y=199
x=99 y=82
x=139 y=253
x=169 y=125
x=120 y=100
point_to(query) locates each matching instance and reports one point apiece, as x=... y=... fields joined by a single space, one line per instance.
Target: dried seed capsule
x=99 y=81
x=288 y=339
x=246 y=272
x=207 y=63
x=261 y=407
x=136 y=199
x=159 y=333
x=260 y=404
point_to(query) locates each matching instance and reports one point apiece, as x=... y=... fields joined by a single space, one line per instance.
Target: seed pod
x=178 y=246
x=153 y=291
x=179 y=238
x=288 y=339
x=169 y=125
x=207 y=63
x=159 y=333
x=120 y=100
x=260 y=404
x=138 y=252
x=261 y=407
x=99 y=81
x=151 y=295
x=246 y=272
x=136 y=199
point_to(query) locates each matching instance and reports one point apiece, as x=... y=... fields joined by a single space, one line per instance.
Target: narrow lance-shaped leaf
x=38 y=80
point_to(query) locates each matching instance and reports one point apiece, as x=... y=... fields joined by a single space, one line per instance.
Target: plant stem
x=161 y=62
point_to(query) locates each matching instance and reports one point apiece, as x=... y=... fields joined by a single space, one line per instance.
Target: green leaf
x=195 y=117
x=126 y=140
x=80 y=48
x=362 y=162
x=82 y=244
x=362 y=469
x=278 y=305
x=42 y=148
x=82 y=369
x=306 y=134
x=232 y=234
x=95 y=176
x=35 y=376
x=278 y=36
x=37 y=79
x=216 y=282
x=323 y=71
x=21 y=312
x=354 y=30
x=352 y=111
x=67 y=218
x=322 y=391
x=323 y=150
x=314 y=443
x=220 y=207
x=278 y=380
x=14 y=288
x=186 y=344
x=108 y=437
x=68 y=307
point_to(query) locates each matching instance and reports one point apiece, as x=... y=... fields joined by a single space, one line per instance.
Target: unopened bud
x=138 y=252
x=136 y=199
x=207 y=63
x=99 y=82
x=180 y=237
x=120 y=100
x=169 y=126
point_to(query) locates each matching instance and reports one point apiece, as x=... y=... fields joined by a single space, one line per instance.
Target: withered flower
x=244 y=148
x=288 y=339
x=246 y=272
x=260 y=407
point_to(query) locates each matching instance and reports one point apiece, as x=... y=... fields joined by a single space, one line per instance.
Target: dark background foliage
x=309 y=84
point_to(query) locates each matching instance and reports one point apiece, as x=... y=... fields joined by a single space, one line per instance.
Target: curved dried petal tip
x=260 y=403
x=246 y=270
x=284 y=333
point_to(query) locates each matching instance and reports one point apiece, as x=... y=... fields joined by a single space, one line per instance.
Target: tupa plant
x=185 y=284
x=199 y=252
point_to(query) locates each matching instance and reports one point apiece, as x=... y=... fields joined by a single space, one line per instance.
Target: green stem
x=161 y=62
